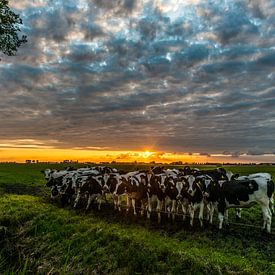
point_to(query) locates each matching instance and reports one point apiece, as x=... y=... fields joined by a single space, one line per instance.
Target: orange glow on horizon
x=97 y=156
x=56 y=155
x=21 y=150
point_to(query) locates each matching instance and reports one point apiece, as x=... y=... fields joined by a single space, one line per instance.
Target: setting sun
x=146 y=154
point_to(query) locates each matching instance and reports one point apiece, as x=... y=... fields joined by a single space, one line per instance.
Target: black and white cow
x=162 y=192
x=66 y=190
x=182 y=196
x=123 y=185
x=156 y=194
x=242 y=194
x=54 y=177
x=253 y=176
x=92 y=186
x=110 y=185
x=55 y=181
x=217 y=174
x=171 y=193
x=136 y=189
x=194 y=195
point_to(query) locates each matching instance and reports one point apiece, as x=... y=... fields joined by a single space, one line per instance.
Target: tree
x=9 y=28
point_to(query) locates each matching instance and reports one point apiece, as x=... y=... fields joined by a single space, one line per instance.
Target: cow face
x=106 y=183
x=182 y=186
x=143 y=179
x=121 y=187
x=47 y=173
x=160 y=180
x=170 y=187
x=211 y=189
x=191 y=189
x=54 y=193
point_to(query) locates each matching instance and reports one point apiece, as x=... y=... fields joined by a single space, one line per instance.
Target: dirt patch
x=25 y=190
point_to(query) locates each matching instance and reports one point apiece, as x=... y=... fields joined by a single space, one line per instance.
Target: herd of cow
x=166 y=190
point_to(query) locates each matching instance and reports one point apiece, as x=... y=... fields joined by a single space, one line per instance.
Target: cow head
x=195 y=185
x=211 y=189
x=182 y=186
x=191 y=188
x=47 y=173
x=121 y=187
x=160 y=180
x=54 y=192
x=170 y=187
x=109 y=182
x=48 y=177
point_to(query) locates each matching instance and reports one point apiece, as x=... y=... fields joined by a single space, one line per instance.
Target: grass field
x=37 y=236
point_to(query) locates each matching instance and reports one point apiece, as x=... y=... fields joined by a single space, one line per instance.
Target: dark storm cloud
x=123 y=74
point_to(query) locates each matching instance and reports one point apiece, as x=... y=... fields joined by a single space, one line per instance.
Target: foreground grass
x=37 y=237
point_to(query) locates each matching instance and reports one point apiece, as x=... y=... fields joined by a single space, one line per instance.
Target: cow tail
x=270 y=190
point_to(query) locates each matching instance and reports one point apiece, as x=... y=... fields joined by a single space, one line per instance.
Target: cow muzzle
x=105 y=189
x=179 y=197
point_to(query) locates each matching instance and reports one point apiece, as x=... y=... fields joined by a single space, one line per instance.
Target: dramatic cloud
x=178 y=76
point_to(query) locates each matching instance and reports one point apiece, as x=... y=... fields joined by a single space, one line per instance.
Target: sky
x=141 y=80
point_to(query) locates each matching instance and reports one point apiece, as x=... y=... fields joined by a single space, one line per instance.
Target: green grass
x=30 y=174
x=25 y=174
x=41 y=238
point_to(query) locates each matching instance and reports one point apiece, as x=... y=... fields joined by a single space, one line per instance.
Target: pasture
x=41 y=237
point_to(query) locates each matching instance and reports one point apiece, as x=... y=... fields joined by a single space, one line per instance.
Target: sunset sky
x=162 y=80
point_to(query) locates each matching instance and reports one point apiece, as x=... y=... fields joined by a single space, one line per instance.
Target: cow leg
x=159 y=207
x=119 y=203
x=134 y=206
x=115 y=201
x=192 y=214
x=226 y=217
x=168 y=209
x=267 y=218
x=238 y=213
x=183 y=212
x=99 y=201
x=173 y=210
x=178 y=207
x=208 y=209
x=220 y=216
x=129 y=202
x=149 y=209
x=77 y=199
x=89 y=202
x=212 y=209
x=201 y=213
x=271 y=205
x=143 y=207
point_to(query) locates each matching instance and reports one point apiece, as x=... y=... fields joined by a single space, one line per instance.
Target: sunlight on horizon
x=97 y=156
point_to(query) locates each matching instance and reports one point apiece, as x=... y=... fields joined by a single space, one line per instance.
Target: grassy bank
x=40 y=237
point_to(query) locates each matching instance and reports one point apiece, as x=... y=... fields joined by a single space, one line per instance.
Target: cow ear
x=42 y=172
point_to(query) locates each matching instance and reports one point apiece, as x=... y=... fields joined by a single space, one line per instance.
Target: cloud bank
x=180 y=76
